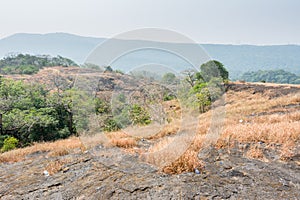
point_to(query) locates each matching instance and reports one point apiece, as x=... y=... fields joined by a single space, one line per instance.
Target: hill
x=53 y=44
x=236 y=58
x=256 y=155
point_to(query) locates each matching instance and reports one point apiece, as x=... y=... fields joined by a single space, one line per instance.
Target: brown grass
x=54 y=166
x=169 y=129
x=57 y=148
x=188 y=162
x=121 y=139
x=250 y=118
x=277 y=124
x=255 y=152
x=90 y=141
x=287 y=151
x=124 y=142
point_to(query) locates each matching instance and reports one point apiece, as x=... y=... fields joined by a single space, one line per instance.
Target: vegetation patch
x=29 y=64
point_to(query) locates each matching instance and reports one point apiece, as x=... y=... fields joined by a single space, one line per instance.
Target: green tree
x=213 y=69
x=169 y=78
x=108 y=69
x=31 y=113
x=202 y=96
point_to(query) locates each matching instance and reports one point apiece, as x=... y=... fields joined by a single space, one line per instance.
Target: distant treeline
x=29 y=64
x=271 y=76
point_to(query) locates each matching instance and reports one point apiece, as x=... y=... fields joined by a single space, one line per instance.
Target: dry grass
x=177 y=153
x=287 y=150
x=161 y=144
x=277 y=124
x=57 y=148
x=255 y=152
x=124 y=142
x=54 y=166
x=121 y=139
x=281 y=132
x=90 y=141
x=250 y=118
x=188 y=162
x=169 y=129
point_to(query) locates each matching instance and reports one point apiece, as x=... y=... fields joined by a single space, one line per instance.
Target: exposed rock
x=109 y=173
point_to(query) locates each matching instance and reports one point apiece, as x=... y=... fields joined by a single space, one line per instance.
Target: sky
x=261 y=22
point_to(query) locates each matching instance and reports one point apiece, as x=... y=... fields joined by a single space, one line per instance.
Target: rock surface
x=109 y=173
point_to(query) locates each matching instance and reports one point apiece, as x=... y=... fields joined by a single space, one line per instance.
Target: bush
x=2 y=138
x=139 y=116
x=9 y=144
x=168 y=97
x=110 y=125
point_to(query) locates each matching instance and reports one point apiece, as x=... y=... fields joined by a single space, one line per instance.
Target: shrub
x=9 y=144
x=139 y=116
x=110 y=125
x=2 y=138
x=168 y=97
x=119 y=71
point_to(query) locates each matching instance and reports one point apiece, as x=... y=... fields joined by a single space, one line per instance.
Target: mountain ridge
x=237 y=58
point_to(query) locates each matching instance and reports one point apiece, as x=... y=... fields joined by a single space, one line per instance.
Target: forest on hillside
x=32 y=112
x=30 y=64
x=271 y=76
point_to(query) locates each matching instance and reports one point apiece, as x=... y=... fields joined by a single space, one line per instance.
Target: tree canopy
x=213 y=69
x=271 y=76
x=31 y=113
x=29 y=64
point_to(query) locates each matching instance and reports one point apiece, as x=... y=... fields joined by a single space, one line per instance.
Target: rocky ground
x=109 y=173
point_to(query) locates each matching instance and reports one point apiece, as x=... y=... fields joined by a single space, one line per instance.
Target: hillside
x=271 y=76
x=256 y=155
x=237 y=58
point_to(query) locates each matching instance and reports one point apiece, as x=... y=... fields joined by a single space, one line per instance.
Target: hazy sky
x=205 y=21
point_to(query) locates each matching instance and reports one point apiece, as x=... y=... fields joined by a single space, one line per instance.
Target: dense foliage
x=213 y=69
x=271 y=76
x=207 y=85
x=30 y=113
x=120 y=114
x=29 y=64
x=9 y=144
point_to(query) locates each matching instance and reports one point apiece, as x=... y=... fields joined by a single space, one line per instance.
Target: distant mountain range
x=236 y=58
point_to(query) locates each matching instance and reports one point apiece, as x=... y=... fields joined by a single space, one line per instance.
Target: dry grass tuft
x=58 y=152
x=124 y=142
x=287 y=151
x=161 y=144
x=54 y=166
x=121 y=139
x=90 y=141
x=169 y=129
x=255 y=152
x=188 y=162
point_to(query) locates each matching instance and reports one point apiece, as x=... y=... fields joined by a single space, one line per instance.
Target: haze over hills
x=236 y=58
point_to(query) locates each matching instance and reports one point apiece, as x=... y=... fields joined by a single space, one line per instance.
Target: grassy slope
x=255 y=113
